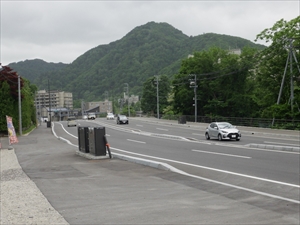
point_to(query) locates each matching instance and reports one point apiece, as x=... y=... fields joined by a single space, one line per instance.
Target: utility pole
x=290 y=57
x=128 y=98
x=157 y=96
x=106 y=101
x=49 y=102
x=20 y=109
x=82 y=108
x=36 y=109
x=193 y=84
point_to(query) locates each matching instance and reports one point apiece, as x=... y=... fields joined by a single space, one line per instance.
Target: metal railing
x=240 y=121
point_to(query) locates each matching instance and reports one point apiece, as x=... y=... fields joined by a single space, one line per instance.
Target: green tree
x=9 y=100
x=284 y=37
x=7 y=103
x=28 y=108
x=222 y=83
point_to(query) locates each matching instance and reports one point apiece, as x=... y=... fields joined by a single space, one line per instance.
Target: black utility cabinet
x=97 y=141
x=83 y=139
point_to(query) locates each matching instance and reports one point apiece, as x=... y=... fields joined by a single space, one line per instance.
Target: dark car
x=122 y=119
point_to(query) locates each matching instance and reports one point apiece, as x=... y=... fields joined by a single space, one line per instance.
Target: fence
x=240 y=121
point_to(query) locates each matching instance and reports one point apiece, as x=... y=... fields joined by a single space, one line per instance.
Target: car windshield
x=123 y=117
x=224 y=125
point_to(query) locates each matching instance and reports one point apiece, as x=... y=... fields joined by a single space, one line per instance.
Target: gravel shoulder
x=21 y=200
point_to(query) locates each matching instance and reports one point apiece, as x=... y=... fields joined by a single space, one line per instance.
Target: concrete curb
x=90 y=156
x=274 y=147
x=147 y=162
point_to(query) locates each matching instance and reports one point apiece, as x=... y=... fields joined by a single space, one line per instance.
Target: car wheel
x=237 y=139
x=220 y=137
x=207 y=136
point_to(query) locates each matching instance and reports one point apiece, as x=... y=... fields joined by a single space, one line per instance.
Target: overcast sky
x=61 y=31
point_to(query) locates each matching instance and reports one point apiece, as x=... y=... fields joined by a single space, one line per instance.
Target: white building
x=132 y=99
x=58 y=102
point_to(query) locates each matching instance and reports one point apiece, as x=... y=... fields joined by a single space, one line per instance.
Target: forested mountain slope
x=147 y=50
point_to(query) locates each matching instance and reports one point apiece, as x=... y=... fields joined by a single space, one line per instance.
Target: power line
x=209 y=78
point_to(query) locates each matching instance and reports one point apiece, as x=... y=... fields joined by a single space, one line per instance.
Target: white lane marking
x=197 y=134
x=226 y=184
x=142 y=142
x=60 y=138
x=258 y=178
x=202 y=178
x=67 y=131
x=213 y=169
x=162 y=129
x=217 y=153
x=278 y=143
x=202 y=142
x=246 y=189
x=138 y=125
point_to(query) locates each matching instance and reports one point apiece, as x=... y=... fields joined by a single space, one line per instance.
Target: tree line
x=256 y=83
x=10 y=83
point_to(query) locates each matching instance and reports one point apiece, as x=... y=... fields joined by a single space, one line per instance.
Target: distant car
x=72 y=122
x=91 y=116
x=222 y=131
x=84 y=117
x=110 y=116
x=122 y=119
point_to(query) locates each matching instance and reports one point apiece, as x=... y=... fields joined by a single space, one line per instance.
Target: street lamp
x=128 y=98
x=193 y=84
x=157 y=97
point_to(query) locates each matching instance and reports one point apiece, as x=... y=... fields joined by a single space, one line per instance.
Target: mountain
x=32 y=69
x=147 y=50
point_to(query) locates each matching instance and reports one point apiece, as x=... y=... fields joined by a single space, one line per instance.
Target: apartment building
x=60 y=103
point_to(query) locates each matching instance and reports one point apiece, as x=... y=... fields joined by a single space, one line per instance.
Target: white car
x=72 y=122
x=110 y=116
x=222 y=131
x=91 y=116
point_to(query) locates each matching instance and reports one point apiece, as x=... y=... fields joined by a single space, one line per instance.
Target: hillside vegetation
x=147 y=50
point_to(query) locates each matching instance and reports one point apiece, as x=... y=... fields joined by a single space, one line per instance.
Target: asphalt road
x=271 y=172
x=216 y=182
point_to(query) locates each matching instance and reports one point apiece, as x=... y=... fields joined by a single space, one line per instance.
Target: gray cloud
x=60 y=31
